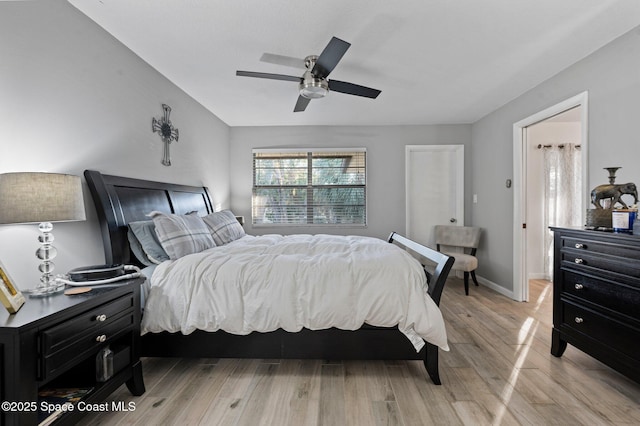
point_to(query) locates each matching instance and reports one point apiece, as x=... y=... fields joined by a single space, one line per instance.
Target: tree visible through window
x=309 y=187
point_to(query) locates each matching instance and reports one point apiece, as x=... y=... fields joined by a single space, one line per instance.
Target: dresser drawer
x=609 y=294
x=594 y=246
x=591 y=262
x=61 y=336
x=624 y=338
x=88 y=342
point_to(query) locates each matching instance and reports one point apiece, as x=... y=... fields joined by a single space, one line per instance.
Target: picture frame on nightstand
x=11 y=298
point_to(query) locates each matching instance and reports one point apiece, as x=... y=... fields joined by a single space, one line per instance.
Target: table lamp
x=30 y=197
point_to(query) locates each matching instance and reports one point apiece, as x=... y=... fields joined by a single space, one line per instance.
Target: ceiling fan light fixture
x=313 y=92
x=312 y=87
x=314 y=84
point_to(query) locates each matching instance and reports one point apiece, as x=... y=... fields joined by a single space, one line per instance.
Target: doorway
x=550 y=149
x=434 y=183
x=554 y=186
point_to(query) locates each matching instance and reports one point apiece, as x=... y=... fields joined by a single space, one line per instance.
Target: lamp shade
x=29 y=197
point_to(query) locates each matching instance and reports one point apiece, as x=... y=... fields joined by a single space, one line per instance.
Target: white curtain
x=563 y=186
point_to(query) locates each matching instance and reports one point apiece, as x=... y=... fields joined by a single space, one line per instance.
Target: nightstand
x=53 y=342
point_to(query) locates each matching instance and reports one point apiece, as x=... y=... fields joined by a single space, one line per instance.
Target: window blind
x=302 y=187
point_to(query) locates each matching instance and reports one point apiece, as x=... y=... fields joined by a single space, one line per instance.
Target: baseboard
x=539 y=276
x=495 y=287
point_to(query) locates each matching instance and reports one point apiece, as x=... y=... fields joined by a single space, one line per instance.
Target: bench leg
x=473 y=276
x=466 y=283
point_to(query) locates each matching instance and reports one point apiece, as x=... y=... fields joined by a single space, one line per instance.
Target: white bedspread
x=290 y=282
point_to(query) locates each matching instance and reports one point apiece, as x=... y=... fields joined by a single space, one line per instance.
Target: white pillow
x=181 y=235
x=224 y=227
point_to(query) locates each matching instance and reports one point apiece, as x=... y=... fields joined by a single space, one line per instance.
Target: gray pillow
x=224 y=227
x=181 y=235
x=145 y=244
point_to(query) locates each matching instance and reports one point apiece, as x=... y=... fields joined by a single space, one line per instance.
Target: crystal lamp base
x=44 y=291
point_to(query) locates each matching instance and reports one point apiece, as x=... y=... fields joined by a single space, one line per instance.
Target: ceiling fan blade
x=283 y=60
x=301 y=104
x=268 y=75
x=353 y=89
x=330 y=57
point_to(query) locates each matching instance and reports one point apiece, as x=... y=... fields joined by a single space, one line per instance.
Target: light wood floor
x=499 y=371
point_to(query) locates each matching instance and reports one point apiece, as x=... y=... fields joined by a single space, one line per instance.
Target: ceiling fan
x=314 y=83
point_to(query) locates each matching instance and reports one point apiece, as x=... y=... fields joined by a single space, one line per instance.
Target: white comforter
x=290 y=282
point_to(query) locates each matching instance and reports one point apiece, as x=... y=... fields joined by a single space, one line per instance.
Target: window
x=316 y=187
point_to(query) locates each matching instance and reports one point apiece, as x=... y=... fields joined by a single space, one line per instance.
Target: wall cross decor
x=167 y=132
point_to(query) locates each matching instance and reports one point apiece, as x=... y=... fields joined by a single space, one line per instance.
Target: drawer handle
x=579 y=320
x=101 y=338
x=579 y=286
x=101 y=318
x=579 y=245
x=579 y=261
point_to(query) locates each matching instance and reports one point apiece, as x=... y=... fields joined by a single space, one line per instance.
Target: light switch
x=475 y=198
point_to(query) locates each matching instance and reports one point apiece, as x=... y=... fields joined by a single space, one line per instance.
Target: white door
x=434 y=189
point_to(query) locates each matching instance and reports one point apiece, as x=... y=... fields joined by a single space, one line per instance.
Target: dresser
x=55 y=342
x=596 y=297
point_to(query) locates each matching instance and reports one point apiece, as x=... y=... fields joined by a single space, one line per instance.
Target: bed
x=120 y=201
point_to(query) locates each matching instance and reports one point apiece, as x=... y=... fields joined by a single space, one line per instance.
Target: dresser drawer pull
x=101 y=318
x=579 y=320
x=579 y=245
x=579 y=261
x=579 y=286
x=103 y=337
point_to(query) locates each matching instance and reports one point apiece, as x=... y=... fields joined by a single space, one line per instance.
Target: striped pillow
x=224 y=227
x=181 y=235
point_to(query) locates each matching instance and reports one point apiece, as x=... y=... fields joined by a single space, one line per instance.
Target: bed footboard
x=441 y=267
x=441 y=264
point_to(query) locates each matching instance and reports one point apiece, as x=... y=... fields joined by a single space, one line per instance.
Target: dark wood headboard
x=120 y=200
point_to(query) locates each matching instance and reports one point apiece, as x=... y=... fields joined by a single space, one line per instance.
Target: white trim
x=484 y=282
x=493 y=286
x=459 y=151
x=539 y=276
x=520 y=281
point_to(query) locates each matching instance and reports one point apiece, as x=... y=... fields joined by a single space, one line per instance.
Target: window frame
x=310 y=152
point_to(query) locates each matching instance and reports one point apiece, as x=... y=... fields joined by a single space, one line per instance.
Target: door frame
x=458 y=150
x=520 y=275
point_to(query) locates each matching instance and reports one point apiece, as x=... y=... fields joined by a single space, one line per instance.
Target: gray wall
x=611 y=76
x=385 y=166
x=71 y=98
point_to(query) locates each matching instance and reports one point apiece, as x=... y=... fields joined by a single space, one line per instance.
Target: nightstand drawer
x=59 y=337
x=608 y=331
x=609 y=294
x=87 y=342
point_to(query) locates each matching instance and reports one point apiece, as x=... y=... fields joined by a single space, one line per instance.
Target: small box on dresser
x=596 y=297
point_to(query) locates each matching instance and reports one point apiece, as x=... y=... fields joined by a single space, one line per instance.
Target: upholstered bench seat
x=464 y=262
x=448 y=238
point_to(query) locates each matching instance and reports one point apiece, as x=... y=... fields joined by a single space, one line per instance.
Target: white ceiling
x=435 y=61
